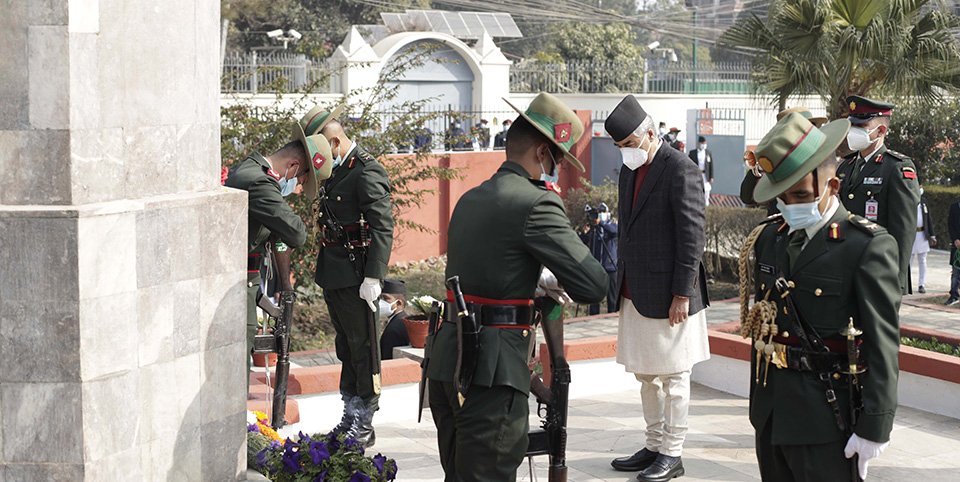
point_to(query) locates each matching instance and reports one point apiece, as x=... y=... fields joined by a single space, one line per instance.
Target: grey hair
x=646 y=125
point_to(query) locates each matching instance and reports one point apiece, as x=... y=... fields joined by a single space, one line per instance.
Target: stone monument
x=122 y=259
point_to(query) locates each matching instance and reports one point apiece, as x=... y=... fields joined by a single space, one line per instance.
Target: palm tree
x=837 y=48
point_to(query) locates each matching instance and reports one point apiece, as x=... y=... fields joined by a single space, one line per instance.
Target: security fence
x=640 y=75
x=261 y=72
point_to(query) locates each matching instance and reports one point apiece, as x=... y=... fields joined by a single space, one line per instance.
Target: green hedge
x=939 y=199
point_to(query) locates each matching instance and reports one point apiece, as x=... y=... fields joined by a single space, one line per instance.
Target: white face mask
x=858 y=138
x=702 y=147
x=385 y=309
x=633 y=157
x=802 y=215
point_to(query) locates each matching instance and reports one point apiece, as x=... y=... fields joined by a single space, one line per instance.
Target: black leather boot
x=361 y=428
x=349 y=407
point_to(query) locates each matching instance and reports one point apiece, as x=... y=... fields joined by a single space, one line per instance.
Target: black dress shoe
x=663 y=469
x=636 y=462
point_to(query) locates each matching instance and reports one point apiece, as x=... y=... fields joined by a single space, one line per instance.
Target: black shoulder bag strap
x=811 y=342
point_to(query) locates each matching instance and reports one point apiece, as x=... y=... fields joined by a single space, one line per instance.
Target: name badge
x=766 y=269
x=875 y=181
x=872 y=210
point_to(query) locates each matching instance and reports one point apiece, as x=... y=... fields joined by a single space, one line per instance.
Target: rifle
x=552 y=401
x=279 y=341
x=434 y=320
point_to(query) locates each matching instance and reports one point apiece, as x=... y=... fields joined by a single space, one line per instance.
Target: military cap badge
x=318 y=160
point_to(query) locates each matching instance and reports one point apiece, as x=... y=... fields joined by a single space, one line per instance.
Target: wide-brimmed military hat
x=319 y=156
x=791 y=150
x=556 y=121
x=863 y=109
x=805 y=112
x=317 y=118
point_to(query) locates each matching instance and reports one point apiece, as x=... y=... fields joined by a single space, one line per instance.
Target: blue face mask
x=287 y=186
x=338 y=159
x=801 y=215
x=554 y=175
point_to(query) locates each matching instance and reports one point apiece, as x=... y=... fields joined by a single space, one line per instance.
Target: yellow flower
x=269 y=432
x=262 y=417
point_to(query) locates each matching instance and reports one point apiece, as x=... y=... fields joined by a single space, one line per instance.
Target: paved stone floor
x=919 y=315
x=606 y=422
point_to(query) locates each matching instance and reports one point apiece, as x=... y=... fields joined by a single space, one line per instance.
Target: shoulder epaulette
x=897 y=155
x=866 y=225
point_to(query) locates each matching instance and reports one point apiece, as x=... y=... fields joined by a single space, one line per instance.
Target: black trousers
x=486 y=439
x=802 y=463
x=613 y=296
x=349 y=314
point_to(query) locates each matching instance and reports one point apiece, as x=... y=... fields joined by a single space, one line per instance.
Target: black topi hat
x=394 y=287
x=625 y=118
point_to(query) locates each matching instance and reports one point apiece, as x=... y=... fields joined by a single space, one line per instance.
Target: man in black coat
x=663 y=284
x=953 y=225
x=393 y=301
x=600 y=235
x=703 y=158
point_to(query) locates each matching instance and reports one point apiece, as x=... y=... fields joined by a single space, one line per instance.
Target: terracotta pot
x=416 y=330
x=262 y=360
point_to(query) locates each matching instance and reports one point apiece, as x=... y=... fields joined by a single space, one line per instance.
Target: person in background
x=703 y=158
x=393 y=303
x=500 y=140
x=953 y=224
x=671 y=138
x=662 y=129
x=481 y=132
x=423 y=139
x=925 y=240
x=600 y=235
x=456 y=138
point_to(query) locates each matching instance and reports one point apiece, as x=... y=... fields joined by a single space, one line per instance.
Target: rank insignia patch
x=909 y=172
x=561 y=132
x=273 y=174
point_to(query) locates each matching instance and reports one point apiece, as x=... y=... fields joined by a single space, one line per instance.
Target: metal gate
x=725 y=132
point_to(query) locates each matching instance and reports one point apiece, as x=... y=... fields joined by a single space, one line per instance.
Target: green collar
x=511 y=166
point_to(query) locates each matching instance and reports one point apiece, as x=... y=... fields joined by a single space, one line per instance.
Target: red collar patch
x=561 y=132
x=273 y=174
x=318 y=161
x=552 y=186
x=878 y=159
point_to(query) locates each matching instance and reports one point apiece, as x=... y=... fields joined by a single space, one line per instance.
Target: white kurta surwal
x=653 y=347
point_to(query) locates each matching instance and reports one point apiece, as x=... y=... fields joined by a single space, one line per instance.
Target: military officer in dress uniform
x=877 y=183
x=822 y=274
x=502 y=234
x=356 y=223
x=304 y=160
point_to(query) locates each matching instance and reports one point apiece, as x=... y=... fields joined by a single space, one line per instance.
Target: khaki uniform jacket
x=891 y=179
x=358 y=186
x=268 y=210
x=854 y=275
x=502 y=233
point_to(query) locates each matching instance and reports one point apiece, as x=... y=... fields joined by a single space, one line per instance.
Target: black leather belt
x=495 y=315
x=804 y=361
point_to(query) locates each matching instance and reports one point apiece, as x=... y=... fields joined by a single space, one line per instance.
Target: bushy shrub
x=725 y=230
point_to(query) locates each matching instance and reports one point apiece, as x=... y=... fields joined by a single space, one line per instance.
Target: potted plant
x=318 y=458
x=417 y=324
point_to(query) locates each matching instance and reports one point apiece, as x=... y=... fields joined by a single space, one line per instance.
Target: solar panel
x=463 y=25
x=393 y=21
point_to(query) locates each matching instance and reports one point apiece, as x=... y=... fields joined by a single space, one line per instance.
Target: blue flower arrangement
x=322 y=458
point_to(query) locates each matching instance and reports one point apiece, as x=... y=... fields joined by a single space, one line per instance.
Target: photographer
x=600 y=235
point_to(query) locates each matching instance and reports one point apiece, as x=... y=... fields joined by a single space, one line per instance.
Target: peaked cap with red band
x=863 y=109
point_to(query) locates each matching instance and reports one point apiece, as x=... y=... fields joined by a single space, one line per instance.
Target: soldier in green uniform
x=502 y=234
x=305 y=160
x=821 y=273
x=356 y=224
x=877 y=183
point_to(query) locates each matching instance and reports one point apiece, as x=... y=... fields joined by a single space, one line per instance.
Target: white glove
x=867 y=451
x=370 y=291
x=549 y=286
